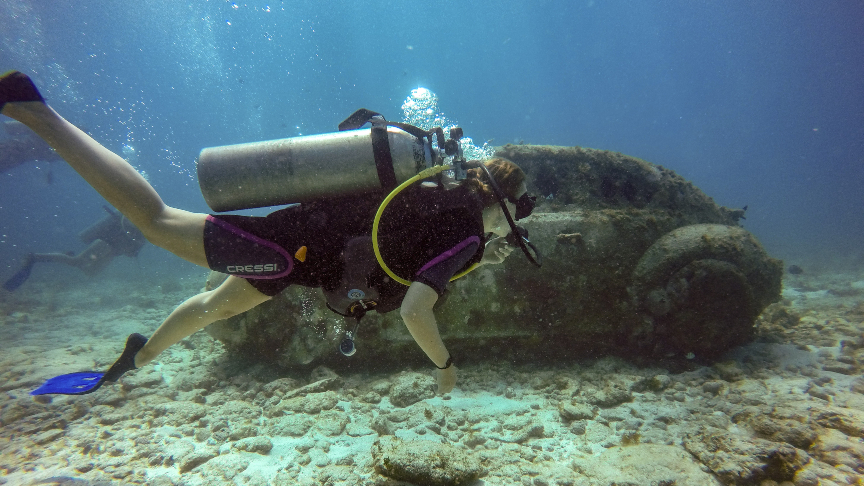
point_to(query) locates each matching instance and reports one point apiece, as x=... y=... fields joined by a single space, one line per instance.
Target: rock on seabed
x=425 y=462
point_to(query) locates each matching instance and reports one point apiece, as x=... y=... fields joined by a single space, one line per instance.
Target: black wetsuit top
x=425 y=235
x=428 y=235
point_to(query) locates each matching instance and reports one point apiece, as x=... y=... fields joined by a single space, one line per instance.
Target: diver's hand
x=497 y=249
x=446 y=380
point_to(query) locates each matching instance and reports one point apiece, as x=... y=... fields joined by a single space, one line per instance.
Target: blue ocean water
x=759 y=104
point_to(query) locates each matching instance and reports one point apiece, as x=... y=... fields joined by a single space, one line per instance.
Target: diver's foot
x=126 y=361
x=17 y=86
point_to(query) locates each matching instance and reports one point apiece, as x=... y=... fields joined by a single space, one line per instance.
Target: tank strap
x=381 y=142
x=383 y=158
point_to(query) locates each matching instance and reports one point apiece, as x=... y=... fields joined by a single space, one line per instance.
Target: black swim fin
x=126 y=361
x=90 y=381
x=21 y=276
x=17 y=86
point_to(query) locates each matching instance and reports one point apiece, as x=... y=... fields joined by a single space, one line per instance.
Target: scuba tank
x=350 y=162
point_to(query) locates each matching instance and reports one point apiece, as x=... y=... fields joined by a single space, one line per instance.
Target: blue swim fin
x=90 y=381
x=71 y=384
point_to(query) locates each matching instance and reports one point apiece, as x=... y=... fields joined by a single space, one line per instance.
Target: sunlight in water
x=421 y=109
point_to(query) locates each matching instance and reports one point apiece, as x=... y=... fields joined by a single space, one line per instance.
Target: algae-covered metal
x=637 y=261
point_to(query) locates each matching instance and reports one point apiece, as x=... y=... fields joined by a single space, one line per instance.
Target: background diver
x=20 y=145
x=311 y=238
x=110 y=237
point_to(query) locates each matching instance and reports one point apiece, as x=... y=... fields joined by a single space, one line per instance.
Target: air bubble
x=421 y=109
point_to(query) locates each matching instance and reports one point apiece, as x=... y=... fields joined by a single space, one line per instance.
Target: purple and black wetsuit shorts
x=264 y=250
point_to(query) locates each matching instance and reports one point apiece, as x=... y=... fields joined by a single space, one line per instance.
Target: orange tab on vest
x=301 y=254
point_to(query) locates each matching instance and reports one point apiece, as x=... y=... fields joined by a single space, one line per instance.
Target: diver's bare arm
x=418 y=316
x=233 y=297
x=178 y=231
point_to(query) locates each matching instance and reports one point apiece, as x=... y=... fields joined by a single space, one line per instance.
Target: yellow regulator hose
x=423 y=174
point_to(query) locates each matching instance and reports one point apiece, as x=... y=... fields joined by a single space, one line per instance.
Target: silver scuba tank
x=307 y=168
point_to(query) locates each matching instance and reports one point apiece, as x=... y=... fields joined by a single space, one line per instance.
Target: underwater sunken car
x=638 y=262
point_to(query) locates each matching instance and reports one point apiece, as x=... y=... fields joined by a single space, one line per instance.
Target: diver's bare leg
x=176 y=230
x=94 y=258
x=53 y=258
x=233 y=297
x=91 y=261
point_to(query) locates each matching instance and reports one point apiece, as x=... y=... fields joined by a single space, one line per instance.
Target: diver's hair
x=507 y=174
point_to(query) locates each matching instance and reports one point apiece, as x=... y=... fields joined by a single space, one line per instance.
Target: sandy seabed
x=787 y=409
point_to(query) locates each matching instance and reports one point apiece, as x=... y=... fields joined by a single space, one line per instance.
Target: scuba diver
x=307 y=244
x=110 y=237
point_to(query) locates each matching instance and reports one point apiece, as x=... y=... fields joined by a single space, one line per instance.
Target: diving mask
x=524 y=205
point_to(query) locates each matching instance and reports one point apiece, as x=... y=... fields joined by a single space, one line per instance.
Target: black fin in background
x=20 y=277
